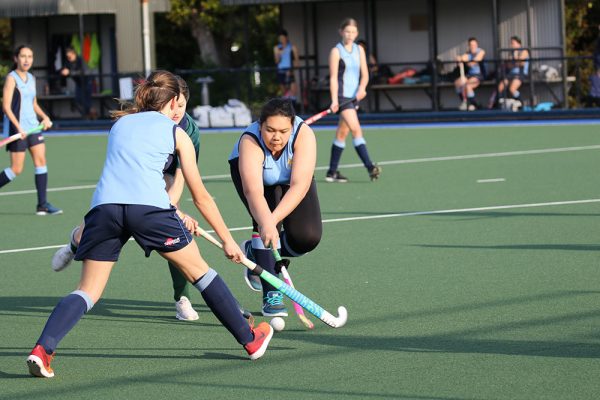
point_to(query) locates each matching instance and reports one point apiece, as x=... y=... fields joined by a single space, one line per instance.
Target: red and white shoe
x=39 y=362
x=262 y=336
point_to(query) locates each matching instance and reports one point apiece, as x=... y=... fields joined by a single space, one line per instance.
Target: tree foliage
x=216 y=28
x=582 y=26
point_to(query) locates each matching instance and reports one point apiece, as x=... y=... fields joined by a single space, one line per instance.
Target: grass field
x=469 y=271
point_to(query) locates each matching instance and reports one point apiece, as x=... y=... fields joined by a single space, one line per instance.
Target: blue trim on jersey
x=22 y=104
x=348 y=71
x=474 y=69
x=275 y=171
x=519 y=70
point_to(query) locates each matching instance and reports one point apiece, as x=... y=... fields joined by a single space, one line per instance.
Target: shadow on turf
x=569 y=247
x=135 y=310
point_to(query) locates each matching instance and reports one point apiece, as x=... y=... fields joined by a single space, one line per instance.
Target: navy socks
x=41 y=183
x=360 y=145
x=221 y=302
x=64 y=317
x=336 y=153
x=6 y=176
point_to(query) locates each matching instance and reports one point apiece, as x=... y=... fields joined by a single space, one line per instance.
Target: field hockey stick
x=305 y=302
x=323 y=113
x=463 y=80
x=281 y=264
x=17 y=136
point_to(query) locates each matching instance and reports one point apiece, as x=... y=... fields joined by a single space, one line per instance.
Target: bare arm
x=295 y=57
x=305 y=160
x=40 y=113
x=334 y=63
x=250 y=165
x=202 y=199
x=277 y=54
x=364 y=75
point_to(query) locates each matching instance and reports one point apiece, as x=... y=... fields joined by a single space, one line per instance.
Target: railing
x=430 y=88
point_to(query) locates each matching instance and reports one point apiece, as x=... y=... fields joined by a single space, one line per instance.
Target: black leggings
x=302 y=228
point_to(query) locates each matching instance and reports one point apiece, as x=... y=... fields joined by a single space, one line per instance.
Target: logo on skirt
x=171 y=241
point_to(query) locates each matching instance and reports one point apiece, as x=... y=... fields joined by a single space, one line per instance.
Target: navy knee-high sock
x=360 y=145
x=6 y=176
x=41 y=183
x=264 y=258
x=336 y=153
x=221 y=302
x=64 y=317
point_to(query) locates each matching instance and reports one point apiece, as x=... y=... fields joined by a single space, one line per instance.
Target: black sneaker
x=374 y=172
x=47 y=209
x=335 y=177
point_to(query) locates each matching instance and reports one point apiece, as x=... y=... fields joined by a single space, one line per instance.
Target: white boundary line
x=492 y=180
x=381 y=216
x=392 y=162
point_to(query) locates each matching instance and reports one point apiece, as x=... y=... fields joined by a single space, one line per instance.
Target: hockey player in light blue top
x=286 y=58
x=465 y=85
x=147 y=216
x=348 y=79
x=272 y=168
x=517 y=71
x=21 y=112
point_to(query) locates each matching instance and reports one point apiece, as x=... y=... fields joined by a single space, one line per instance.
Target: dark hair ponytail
x=152 y=94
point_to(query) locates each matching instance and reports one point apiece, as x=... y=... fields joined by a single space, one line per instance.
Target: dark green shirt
x=189 y=126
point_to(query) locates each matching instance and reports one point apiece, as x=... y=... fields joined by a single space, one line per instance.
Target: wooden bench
x=427 y=87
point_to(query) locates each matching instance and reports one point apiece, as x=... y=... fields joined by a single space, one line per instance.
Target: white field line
x=381 y=216
x=392 y=162
x=473 y=156
x=493 y=180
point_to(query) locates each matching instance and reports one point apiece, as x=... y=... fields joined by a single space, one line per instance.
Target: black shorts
x=21 y=145
x=512 y=77
x=285 y=76
x=478 y=76
x=109 y=226
x=350 y=106
x=303 y=227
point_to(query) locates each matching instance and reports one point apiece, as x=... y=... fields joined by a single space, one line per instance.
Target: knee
x=17 y=169
x=304 y=243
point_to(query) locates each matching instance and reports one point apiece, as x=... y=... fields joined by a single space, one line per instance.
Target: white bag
x=200 y=114
x=220 y=118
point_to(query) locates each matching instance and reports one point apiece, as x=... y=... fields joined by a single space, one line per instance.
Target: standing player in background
x=130 y=200
x=21 y=111
x=348 y=79
x=272 y=167
x=286 y=58
x=465 y=86
x=175 y=182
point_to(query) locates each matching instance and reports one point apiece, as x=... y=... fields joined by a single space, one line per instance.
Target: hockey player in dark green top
x=175 y=182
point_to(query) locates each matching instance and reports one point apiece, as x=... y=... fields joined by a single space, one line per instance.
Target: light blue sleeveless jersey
x=139 y=147
x=520 y=70
x=275 y=171
x=285 y=62
x=474 y=69
x=22 y=103
x=348 y=71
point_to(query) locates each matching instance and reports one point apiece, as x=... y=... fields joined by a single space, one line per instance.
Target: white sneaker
x=185 y=311
x=62 y=258
x=463 y=106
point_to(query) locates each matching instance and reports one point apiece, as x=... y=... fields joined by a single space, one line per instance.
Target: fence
x=424 y=86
